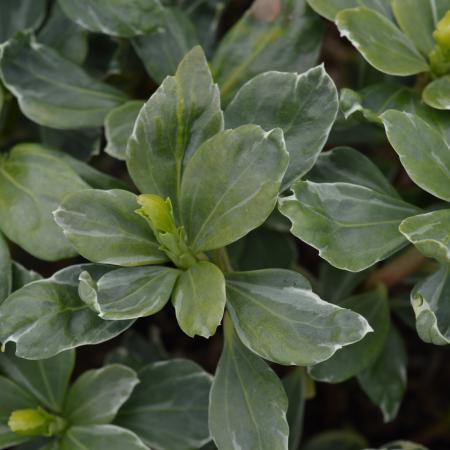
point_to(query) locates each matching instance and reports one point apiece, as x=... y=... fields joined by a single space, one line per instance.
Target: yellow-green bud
x=158 y=212
x=35 y=422
x=442 y=33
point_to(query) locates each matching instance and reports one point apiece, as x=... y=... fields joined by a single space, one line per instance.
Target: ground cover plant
x=224 y=224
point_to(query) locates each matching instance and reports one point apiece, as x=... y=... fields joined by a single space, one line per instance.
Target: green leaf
x=97 y=395
x=336 y=440
x=386 y=379
x=22 y=276
x=133 y=292
x=276 y=315
x=346 y=165
x=430 y=233
x=304 y=107
x=199 y=299
x=380 y=42
x=182 y=114
x=99 y=437
x=47 y=317
x=329 y=9
x=430 y=299
x=422 y=150
x=103 y=227
x=283 y=35
x=122 y=18
x=32 y=183
x=8 y=439
x=51 y=90
x=351 y=360
x=247 y=404
x=417 y=20
x=162 y=50
x=231 y=185
x=5 y=270
x=119 y=125
x=65 y=36
x=294 y=385
x=13 y=397
x=46 y=380
x=168 y=409
x=437 y=93
x=20 y=15
x=336 y=217
x=402 y=445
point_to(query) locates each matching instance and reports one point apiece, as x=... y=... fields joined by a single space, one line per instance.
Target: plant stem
x=221 y=259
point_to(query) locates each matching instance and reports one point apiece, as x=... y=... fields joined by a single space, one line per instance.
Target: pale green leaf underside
x=437 y=93
x=277 y=316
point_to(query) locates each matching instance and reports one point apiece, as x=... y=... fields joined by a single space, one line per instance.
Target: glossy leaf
x=248 y=404
x=381 y=43
x=103 y=227
x=386 y=379
x=329 y=9
x=97 y=395
x=276 y=315
x=133 y=292
x=47 y=317
x=119 y=125
x=32 y=183
x=99 y=437
x=45 y=380
x=336 y=217
x=304 y=107
x=199 y=299
x=437 y=93
x=20 y=15
x=182 y=114
x=351 y=360
x=430 y=299
x=51 y=90
x=282 y=35
x=422 y=150
x=168 y=409
x=5 y=270
x=430 y=234
x=123 y=18
x=219 y=206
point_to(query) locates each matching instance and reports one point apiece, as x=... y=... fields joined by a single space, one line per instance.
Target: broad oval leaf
x=182 y=114
x=329 y=9
x=199 y=299
x=386 y=379
x=351 y=360
x=381 y=43
x=335 y=218
x=276 y=315
x=46 y=380
x=119 y=124
x=168 y=409
x=248 y=405
x=47 y=317
x=99 y=437
x=282 y=35
x=51 y=90
x=97 y=395
x=430 y=299
x=231 y=185
x=123 y=18
x=430 y=233
x=437 y=93
x=32 y=183
x=133 y=292
x=304 y=106
x=103 y=227
x=423 y=151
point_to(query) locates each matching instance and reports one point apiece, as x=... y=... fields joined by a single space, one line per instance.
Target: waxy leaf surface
x=437 y=93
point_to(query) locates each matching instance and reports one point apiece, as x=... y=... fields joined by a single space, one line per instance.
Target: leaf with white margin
x=47 y=317
x=248 y=404
x=305 y=107
x=168 y=409
x=430 y=233
x=335 y=218
x=422 y=149
x=437 y=93
x=277 y=316
x=329 y=8
x=430 y=299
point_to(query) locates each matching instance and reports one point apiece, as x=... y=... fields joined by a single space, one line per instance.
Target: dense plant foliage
x=181 y=152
